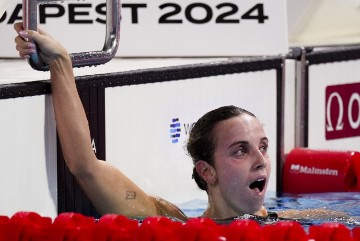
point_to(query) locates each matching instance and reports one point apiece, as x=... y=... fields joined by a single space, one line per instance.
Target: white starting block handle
x=84 y=58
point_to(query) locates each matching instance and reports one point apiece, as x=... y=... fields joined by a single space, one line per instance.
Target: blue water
x=347 y=203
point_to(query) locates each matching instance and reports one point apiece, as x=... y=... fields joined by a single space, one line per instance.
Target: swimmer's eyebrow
x=246 y=142
x=238 y=142
x=264 y=139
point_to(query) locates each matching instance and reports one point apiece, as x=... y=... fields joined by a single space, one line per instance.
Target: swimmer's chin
x=262 y=212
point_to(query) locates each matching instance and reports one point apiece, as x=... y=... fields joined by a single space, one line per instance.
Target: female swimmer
x=228 y=147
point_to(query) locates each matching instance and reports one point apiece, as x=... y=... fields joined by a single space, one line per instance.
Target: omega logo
x=355 y=97
x=342 y=111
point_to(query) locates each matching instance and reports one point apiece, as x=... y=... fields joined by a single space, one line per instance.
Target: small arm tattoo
x=130 y=195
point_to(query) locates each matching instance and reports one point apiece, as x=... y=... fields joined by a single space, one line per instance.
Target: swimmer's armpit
x=130 y=195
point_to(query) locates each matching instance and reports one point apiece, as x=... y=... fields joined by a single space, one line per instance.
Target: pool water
x=347 y=203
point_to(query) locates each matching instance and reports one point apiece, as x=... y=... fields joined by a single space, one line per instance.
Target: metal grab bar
x=82 y=59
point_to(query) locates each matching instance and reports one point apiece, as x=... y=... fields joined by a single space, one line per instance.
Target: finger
x=27 y=34
x=25 y=51
x=18 y=27
x=35 y=36
x=24 y=56
x=23 y=44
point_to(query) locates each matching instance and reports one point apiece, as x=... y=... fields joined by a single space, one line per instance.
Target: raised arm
x=108 y=189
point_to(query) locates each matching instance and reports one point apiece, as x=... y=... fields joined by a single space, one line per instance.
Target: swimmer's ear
x=206 y=171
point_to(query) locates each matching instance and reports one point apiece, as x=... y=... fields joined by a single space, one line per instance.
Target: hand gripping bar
x=84 y=58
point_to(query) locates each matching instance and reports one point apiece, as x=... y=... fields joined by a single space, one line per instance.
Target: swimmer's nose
x=259 y=161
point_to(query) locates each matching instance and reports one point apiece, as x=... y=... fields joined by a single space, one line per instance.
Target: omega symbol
x=354 y=99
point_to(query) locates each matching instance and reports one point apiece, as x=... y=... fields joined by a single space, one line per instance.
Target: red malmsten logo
x=342 y=111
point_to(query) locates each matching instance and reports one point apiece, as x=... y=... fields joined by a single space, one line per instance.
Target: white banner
x=28 y=173
x=152 y=28
x=334 y=106
x=140 y=139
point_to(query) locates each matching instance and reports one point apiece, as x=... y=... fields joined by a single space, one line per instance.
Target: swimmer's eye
x=241 y=150
x=264 y=149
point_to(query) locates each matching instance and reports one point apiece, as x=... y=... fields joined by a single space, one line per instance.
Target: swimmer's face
x=241 y=163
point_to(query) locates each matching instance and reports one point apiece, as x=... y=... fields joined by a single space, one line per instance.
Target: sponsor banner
x=162 y=28
x=297 y=168
x=342 y=111
x=334 y=106
x=315 y=171
x=148 y=125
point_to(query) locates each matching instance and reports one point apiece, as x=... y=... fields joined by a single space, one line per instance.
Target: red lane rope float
x=72 y=226
x=284 y=231
x=248 y=230
x=199 y=229
x=30 y=226
x=26 y=226
x=115 y=227
x=356 y=233
x=4 y=228
x=330 y=231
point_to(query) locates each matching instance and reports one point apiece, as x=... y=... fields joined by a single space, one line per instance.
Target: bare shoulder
x=168 y=209
x=319 y=213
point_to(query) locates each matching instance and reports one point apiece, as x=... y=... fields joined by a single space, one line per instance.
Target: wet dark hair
x=201 y=143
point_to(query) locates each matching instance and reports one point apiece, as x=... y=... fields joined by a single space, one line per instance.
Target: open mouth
x=259 y=184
